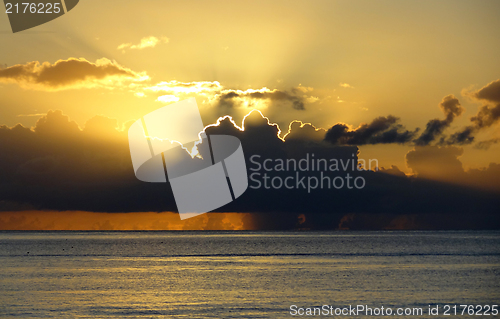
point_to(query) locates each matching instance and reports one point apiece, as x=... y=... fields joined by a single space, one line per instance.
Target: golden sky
x=344 y=61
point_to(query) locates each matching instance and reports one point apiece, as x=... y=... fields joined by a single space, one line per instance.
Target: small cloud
x=303 y=89
x=484 y=145
x=347 y=86
x=28 y=115
x=175 y=87
x=312 y=99
x=139 y=94
x=147 y=42
x=167 y=98
x=124 y=46
x=259 y=98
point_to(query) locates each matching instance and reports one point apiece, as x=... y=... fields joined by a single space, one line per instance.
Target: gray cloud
x=232 y=98
x=484 y=145
x=488 y=114
x=382 y=130
x=490 y=92
x=462 y=137
x=451 y=108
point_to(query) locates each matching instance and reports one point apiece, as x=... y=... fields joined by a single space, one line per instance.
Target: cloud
x=203 y=88
x=487 y=115
x=68 y=74
x=382 y=130
x=302 y=89
x=347 y=86
x=484 y=145
x=146 y=42
x=443 y=163
x=297 y=130
x=436 y=162
x=98 y=152
x=393 y=170
x=462 y=137
x=433 y=129
x=55 y=124
x=59 y=166
x=167 y=98
x=451 y=108
x=259 y=98
x=312 y=99
x=387 y=192
x=219 y=96
x=30 y=115
x=489 y=93
x=486 y=177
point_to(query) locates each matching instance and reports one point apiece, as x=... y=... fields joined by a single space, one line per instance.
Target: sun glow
x=83 y=220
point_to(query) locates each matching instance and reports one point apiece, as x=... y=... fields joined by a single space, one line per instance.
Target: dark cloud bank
x=384 y=130
x=58 y=166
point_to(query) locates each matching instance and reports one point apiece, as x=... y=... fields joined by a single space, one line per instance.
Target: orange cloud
x=147 y=42
x=346 y=85
x=69 y=74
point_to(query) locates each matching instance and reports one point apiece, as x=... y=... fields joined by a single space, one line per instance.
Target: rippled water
x=241 y=274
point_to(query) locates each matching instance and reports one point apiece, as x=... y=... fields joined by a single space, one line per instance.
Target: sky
x=397 y=79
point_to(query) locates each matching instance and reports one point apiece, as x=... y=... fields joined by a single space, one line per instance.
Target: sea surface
x=246 y=274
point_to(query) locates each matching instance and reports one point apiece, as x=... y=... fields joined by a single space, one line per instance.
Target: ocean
x=249 y=274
